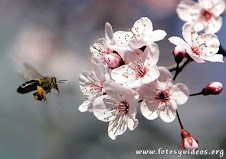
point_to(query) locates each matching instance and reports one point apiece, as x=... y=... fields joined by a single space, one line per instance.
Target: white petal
x=99 y=48
x=149 y=108
x=100 y=70
x=195 y=144
x=214 y=25
x=146 y=90
x=189 y=33
x=196 y=58
x=206 y=4
x=142 y=26
x=198 y=25
x=132 y=123
x=119 y=93
x=212 y=43
x=117 y=127
x=108 y=32
x=124 y=75
x=122 y=37
x=179 y=93
x=103 y=109
x=86 y=105
x=136 y=56
x=165 y=74
x=188 y=10
x=151 y=75
x=136 y=44
x=188 y=146
x=167 y=114
x=152 y=52
x=179 y=42
x=157 y=35
x=219 y=7
x=214 y=58
x=88 y=90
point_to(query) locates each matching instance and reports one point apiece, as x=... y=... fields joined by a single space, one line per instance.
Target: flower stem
x=179 y=120
x=179 y=69
x=196 y=94
x=174 y=66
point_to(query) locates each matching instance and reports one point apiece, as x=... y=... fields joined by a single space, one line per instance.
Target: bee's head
x=55 y=83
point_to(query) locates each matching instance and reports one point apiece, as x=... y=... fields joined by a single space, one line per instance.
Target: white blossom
x=118 y=107
x=91 y=83
x=161 y=97
x=200 y=48
x=204 y=15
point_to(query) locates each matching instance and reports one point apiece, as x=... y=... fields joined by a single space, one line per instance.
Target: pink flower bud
x=179 y=53
x=188 y=142
x=113 y=60
x=213 y=88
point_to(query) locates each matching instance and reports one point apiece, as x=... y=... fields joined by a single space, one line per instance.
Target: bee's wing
x=29 y=72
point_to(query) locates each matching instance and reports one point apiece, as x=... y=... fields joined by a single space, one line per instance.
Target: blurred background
x=54 y=36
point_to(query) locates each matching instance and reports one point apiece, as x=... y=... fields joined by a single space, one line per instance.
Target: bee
x=36 y=82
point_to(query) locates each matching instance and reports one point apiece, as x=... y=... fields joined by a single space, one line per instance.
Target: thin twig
x=174 y=66
x=179 y=69
x=196 y=94
x=180 y=122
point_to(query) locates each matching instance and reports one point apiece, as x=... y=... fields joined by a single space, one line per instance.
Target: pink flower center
x=206 y=15
x=141 y=71
x=122 y=107
x=162 y=96
x=197 y=49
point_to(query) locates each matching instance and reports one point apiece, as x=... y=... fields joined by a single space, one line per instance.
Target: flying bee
x=37 y=82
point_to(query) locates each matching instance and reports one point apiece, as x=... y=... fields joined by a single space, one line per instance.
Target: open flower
x=107 y=45
x=188 y=142
x=91 y=83
x=202 y=15
x=118 y=107
x=140 y=67
x=201 y=47
x=161 y=97
x=141 y=34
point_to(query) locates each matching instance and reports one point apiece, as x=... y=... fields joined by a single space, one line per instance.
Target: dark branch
x=179 y=69
x=196 y=94
x=221 y=51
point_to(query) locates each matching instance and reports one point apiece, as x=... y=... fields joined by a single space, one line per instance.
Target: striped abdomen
x=28 y=86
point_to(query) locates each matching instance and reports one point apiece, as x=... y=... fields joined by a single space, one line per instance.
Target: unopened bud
x=113 y=60
x=188 y=142
x=213 y=88
x=179 y=53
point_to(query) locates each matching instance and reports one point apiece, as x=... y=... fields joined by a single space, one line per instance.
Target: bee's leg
x=45 y=99
x=58 y=91
x=41 y=92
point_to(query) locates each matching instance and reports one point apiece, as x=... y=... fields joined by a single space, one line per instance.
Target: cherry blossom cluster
x=125 y=74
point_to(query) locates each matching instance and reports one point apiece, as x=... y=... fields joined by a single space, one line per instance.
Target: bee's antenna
x=62 y=81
